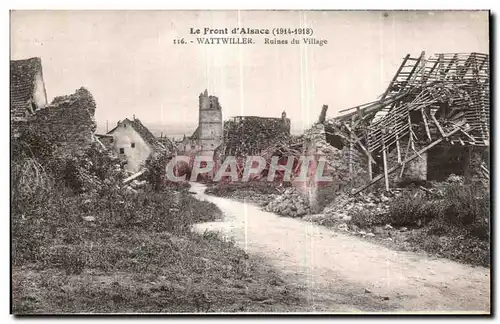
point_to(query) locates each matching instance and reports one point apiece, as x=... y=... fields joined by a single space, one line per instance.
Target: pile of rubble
x=290 y=203
x=343 y=207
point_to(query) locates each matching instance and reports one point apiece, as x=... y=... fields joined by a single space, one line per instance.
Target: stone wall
x=68 y=122
x=318 y=145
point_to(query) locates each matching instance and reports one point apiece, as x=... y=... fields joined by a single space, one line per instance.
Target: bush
x=462 y=206
x=365 y=218
x=458 y=224
x=466 y=205
x=413 y=209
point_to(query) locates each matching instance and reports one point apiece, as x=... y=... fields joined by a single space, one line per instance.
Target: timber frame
x=442 y=98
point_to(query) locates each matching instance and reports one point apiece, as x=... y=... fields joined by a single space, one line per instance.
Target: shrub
x=466 y=205
x=155 y=175
x=458 y=224
x=365 y=218
x=413 y=209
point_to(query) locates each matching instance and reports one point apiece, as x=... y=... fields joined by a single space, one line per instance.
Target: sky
x=128 y=61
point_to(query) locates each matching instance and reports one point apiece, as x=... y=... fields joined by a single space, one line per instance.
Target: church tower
x=210 y=123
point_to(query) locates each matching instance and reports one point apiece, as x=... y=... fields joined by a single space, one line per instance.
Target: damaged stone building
x=27 y=91
x=208 y=135
x=250 y=135
x=67 y=122
x=133 y=141
x=432 y=121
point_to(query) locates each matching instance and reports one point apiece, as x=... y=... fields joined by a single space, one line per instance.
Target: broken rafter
x=394 y=168
x=395 y=76
x=356 y=138
x=406 y=155
x=467 y=134
x=408 y=79
x=424 y=118
x=427 y=75
x=134 y=176
x=370 y=108
x=398 y=149
x=438 y=125
x=386 y=175
x=453 y=60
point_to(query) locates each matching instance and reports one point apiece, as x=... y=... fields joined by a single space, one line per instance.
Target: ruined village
x=410 y=169
x=99 y=227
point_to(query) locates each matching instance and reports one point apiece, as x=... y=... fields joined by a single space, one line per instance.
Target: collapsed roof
x=444 y=97
x=22 y=84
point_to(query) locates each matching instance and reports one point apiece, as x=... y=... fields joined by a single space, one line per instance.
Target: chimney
x=133 y=116
x=322 y=115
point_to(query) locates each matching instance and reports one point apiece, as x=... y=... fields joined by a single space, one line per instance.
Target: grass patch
x=138 y=255
x=80 y=244
x=148 y=272
x=455 y=226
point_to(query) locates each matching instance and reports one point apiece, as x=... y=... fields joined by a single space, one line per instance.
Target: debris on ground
x=290 y=203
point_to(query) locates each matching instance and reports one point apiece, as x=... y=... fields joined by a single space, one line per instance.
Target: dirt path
x=341 y=273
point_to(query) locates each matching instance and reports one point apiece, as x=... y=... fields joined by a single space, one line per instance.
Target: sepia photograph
x=330 y=162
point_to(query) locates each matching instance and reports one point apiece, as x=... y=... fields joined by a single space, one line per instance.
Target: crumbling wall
x=247 y=135
x=316 y=144
x=68 y=122
x=416 y=170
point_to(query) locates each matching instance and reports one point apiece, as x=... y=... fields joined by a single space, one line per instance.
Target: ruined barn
x=429 y=122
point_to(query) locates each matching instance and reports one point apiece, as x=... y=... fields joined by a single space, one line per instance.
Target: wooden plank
x=370 y=172
x=439 y=70
x=426 y=125
x=450 y=64
x=398 y=148
x=415 y=150
x=404 y=83
x=466 y=66
x=395 y=76
x=386 y=175
x=467 y=134
x=370 y=107
x=360 y=112
x=406 y=155
x=96 y=139
x=438 y=125
x=350 y=153
x=426 y=77
x=394 y=168
x=134 y=176
x=356 y=138
x=412 y=133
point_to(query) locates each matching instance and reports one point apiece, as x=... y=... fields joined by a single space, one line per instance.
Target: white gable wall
x=124 y=135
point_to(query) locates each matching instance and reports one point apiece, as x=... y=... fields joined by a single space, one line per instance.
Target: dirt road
x=341 y=273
